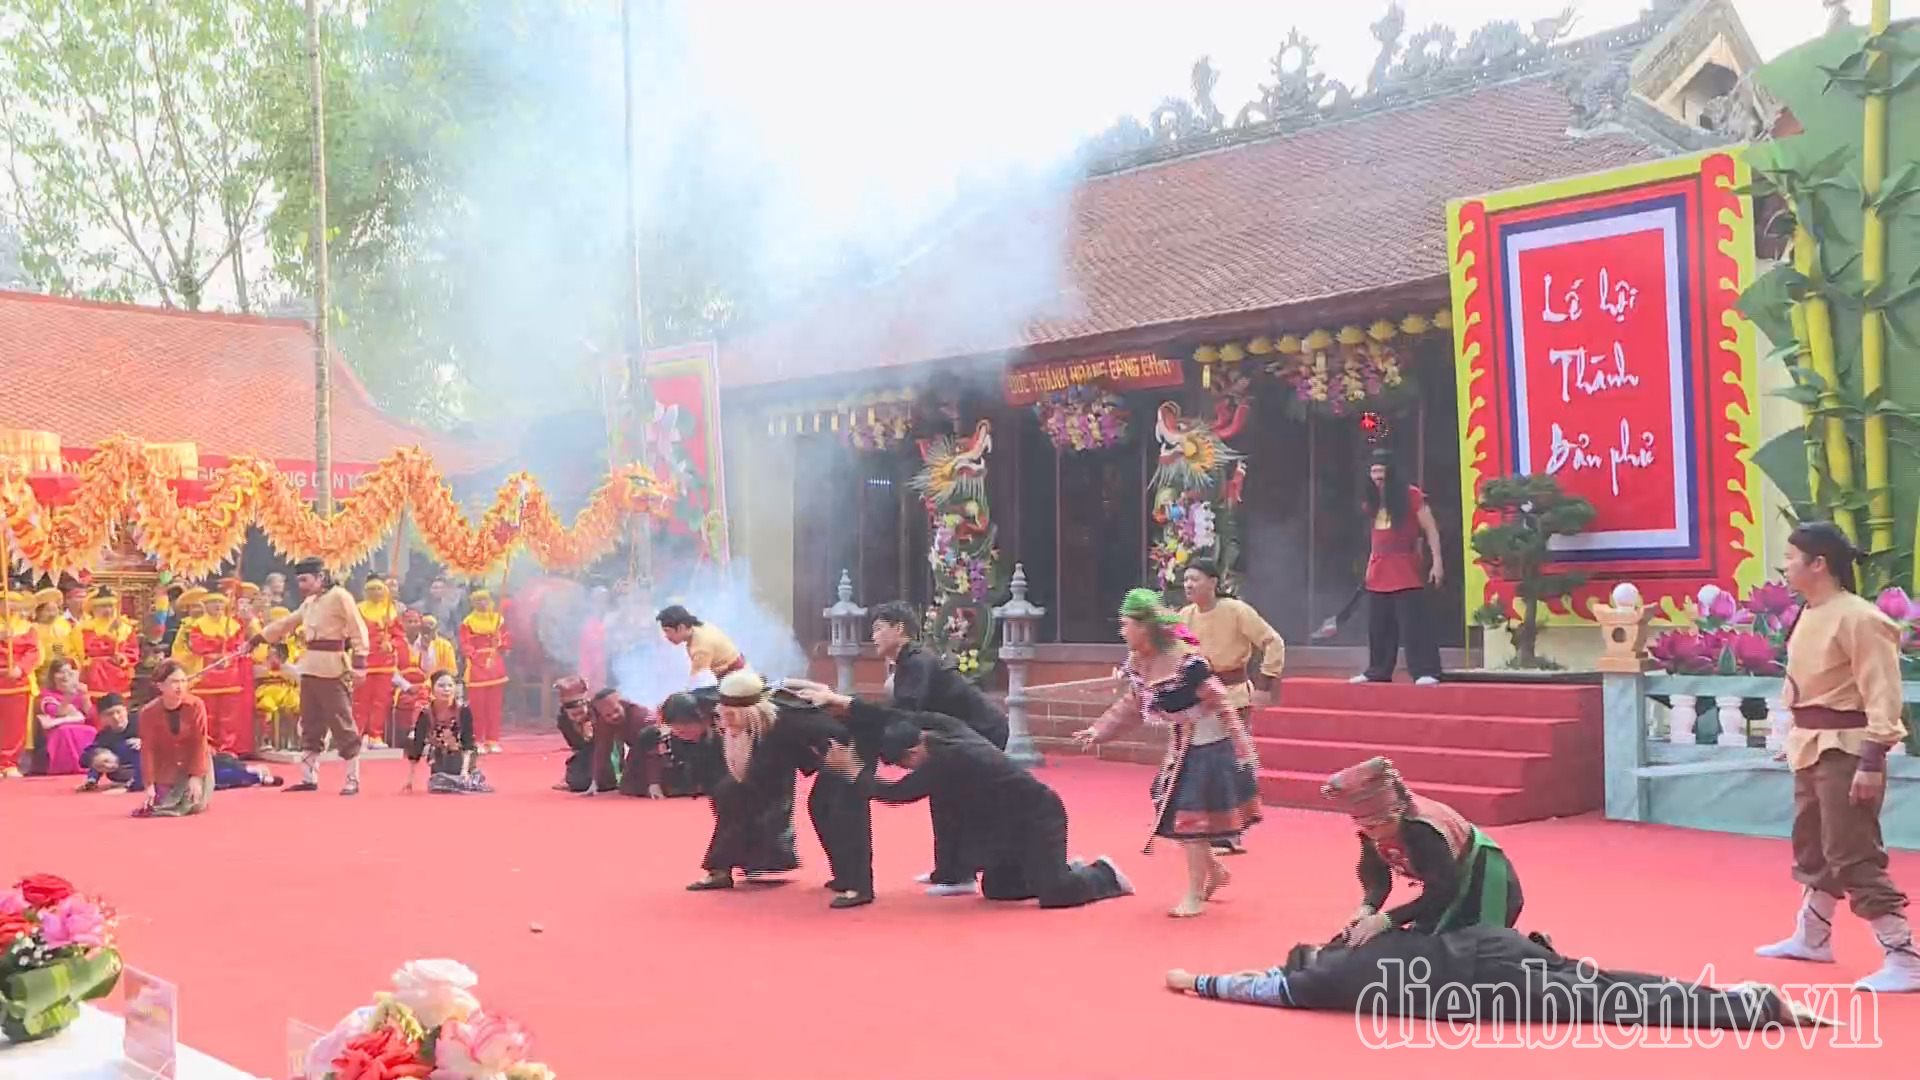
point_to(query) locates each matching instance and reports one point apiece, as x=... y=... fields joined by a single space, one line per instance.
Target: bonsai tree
x=1530 y=511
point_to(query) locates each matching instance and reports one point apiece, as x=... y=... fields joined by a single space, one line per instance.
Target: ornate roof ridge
x=1399 y=94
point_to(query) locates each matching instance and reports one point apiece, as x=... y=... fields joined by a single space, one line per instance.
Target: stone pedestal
x=1017 y=619
x=848 y=620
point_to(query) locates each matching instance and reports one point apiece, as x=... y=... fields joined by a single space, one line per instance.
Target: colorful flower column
x=962 y=550
x=1197 y=487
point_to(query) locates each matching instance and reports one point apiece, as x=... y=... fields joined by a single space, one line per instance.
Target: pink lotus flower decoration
x=1688 y=651
x=1897 y=605
x=13 y=902
x=1772 y=598
x=1755 y=654
x=73 y=921
x=483 y=1047
x=1719 y=604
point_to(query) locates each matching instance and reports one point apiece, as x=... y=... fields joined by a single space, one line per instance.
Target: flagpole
x=639 y=396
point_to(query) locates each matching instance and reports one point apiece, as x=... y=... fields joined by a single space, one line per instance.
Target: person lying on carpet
x=119 y=736
x=1500 y=974
x=1465 y=878
x=1015 y=826
x=442 y=730
x=175 y=756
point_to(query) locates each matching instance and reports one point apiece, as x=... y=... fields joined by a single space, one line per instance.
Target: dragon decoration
x=1198 y=485
x=119 y=486
x=963 y=552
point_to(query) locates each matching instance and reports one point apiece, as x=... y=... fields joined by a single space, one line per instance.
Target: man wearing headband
x=1843 y=686
x=483 y=641
x=336 y=646
x=1494 y=975
x=711 y=654
x=1016 y=825
x=1465 y=879
x=225 y=683
x=765 y=746
x=590 y=765
x=107 y=647
x=373 y=696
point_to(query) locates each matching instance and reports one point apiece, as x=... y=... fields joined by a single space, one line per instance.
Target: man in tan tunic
x=711 y=654
x=1230 y=632
x=1843 y=685
x=336 y=654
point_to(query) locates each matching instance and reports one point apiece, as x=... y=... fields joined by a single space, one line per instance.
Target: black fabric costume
x=444 y=750
x=670 y=761
x=841 y=807
x=1017 y=826
x=753 y=817
x=1439 y=871
x=116 y=740
x=590 y=765
x=1504 y=974
x=925 y=682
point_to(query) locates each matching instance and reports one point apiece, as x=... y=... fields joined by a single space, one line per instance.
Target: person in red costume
x=483 y=641
x=225 y=683
x=373 y=696
x=19 y=656
x=107 y=646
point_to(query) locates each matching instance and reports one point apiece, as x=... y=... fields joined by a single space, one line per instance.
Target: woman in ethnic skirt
x=443 y=735
x=1205 y=789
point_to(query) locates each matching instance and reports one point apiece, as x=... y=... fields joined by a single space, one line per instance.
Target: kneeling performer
x=1016 y=824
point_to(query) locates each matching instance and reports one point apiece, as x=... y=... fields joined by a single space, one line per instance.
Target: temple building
x=1272 y=288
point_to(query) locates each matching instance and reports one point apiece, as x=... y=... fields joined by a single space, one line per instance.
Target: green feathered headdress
x=1144 y=605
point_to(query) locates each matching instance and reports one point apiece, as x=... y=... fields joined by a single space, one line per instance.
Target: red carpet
x=278 y=906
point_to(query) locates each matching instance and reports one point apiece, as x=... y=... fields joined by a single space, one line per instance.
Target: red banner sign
x=1600 y=373
x=1128 y=371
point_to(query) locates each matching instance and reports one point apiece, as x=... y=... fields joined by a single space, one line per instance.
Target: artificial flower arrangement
x=1083 y=418
x=429 y=1026
x=56 y=951
x=1189 y=530
x=1343 y=374
x=1736 y=637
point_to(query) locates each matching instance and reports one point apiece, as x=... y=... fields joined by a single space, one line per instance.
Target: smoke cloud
x=646 y=668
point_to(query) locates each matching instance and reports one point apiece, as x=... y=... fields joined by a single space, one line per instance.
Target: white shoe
x=1126 y=887
x=1812 y=931
x=1426 y=680
x=1357 y=680
x=924 y=879
x=1900 y=974
x=964 y=889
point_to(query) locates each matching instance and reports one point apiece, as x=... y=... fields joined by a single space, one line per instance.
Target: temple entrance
x=1307 y=538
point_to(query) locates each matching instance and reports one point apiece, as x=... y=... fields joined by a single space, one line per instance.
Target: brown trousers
x=1837 y=847
x=326 y=705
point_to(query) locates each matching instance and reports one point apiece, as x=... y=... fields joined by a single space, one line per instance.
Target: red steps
x=1499 y=753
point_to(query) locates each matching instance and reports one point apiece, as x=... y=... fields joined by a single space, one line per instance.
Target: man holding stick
x=336 y=655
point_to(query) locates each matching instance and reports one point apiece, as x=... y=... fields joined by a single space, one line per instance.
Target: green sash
x=1497 y=872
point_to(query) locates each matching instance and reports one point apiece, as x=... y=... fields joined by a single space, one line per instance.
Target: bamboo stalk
x=1873 y=269
x=1819 y=322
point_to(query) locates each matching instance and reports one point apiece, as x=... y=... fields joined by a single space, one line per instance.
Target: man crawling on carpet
x=1500 y=974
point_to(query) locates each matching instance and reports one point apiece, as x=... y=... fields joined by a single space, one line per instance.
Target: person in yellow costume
x=276 y=686
x=55 y=637
x=483 y=641
x=19 y=656
x=225 y=680
x=440 y=654
x=106 y=646
x=191 y=606
x=387 y=654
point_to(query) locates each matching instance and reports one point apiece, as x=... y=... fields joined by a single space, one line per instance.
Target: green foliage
x=126 y=135
x=1816 y=174
x=1530 y=511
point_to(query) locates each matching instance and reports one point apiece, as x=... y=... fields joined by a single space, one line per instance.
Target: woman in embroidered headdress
x=1465 y=879
x=443 y=734
x=1206 y=788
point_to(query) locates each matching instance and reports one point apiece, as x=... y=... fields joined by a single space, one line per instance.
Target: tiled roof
x=1336 y=209
x=229 y=383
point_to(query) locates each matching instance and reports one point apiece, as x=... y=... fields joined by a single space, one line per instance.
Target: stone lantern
x=848 y=620
x=1017 y=620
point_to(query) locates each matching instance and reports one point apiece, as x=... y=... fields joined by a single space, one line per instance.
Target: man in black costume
x=590 y=763
x=922 y=681
x=765 y=745
x=1016 y=825
x=1488 y=973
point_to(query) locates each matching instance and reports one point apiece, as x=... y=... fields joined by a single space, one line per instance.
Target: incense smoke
x=649 y=669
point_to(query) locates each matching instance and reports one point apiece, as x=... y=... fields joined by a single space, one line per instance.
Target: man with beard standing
x=336 y=655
